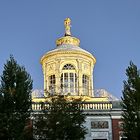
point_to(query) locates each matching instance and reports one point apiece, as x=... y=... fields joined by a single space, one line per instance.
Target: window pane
x=66 y=77
x=71 y=77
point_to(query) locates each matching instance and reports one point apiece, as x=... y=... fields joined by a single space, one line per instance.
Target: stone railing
x=83 y=106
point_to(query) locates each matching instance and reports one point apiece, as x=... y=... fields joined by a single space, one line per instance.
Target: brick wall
x=116 y=128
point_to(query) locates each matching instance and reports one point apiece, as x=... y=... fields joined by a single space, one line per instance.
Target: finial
x=67 y=24
x=67 y=39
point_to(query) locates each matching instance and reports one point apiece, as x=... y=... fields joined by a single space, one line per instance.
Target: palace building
x=68 y=70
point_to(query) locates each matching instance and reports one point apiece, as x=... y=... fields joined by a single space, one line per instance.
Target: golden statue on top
x=67 y=39
x=67 y=25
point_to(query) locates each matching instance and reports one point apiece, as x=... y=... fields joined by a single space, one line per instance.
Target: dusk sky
x=108 y=29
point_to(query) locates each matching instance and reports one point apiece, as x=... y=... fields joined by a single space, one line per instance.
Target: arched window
x=85 y=82
x=68 y=67
x=68 y=80
x=52 y=84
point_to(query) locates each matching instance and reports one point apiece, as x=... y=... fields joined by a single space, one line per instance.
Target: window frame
x=69 y=80
x=85 y=84
x=52 y=84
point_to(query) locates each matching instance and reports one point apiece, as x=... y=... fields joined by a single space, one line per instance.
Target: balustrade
x=83 y=106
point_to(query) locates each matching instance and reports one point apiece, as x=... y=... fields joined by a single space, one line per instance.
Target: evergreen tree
x=62 y=120
x=15 y=100
x=131 y=103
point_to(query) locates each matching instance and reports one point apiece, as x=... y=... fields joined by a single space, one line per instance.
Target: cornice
x=49 y=54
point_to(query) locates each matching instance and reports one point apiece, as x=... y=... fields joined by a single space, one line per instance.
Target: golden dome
x=67 y=39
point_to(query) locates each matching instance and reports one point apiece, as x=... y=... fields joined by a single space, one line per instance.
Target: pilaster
x=58 y=76
x=80 y=91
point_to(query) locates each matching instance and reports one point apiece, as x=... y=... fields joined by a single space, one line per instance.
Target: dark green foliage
x=131 y=103
x=15 y=100
x=62 y=120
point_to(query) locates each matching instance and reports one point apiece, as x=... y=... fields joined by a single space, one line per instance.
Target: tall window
x=85 y=82
x=68 y=79
x=52 y=84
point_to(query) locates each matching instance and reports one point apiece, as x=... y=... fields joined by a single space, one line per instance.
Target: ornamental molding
x=50 y=54
x=68 y=40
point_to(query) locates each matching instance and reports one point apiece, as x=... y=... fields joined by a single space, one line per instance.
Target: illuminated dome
x=68 y=44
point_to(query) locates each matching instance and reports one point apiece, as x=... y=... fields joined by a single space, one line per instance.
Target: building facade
x=68 y=70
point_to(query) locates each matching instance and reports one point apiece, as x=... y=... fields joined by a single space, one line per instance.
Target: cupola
x=68 y=69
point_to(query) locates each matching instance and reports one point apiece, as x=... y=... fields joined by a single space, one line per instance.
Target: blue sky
x=109 y=29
